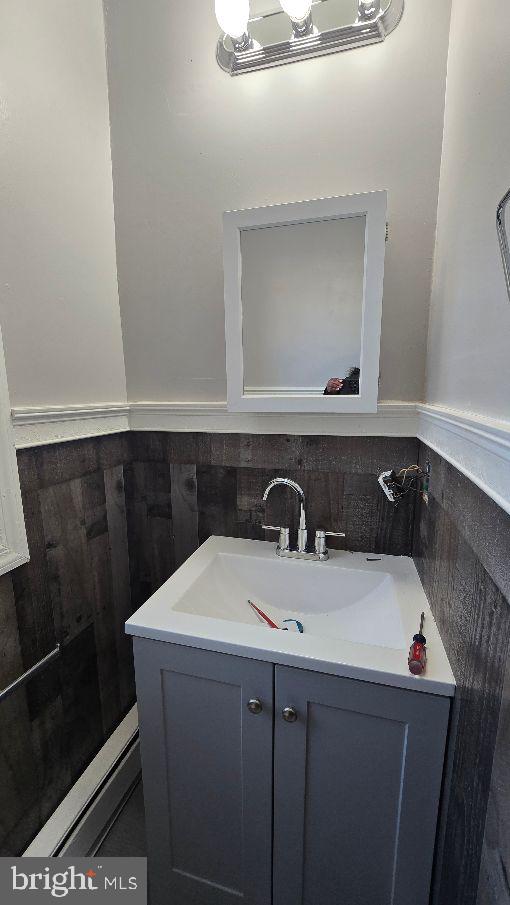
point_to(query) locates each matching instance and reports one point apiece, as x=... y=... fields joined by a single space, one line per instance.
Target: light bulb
x=298 y=10
x=368 y=9
x=232 y=16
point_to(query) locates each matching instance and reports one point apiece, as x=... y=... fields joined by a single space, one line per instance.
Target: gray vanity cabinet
x=356 y=790
x=207 y=765
x=278 y=786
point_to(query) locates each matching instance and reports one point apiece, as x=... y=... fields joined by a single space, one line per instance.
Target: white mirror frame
x=13 y=538
x=372 y=205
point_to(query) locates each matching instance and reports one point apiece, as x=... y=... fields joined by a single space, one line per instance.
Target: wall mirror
x=303 y=300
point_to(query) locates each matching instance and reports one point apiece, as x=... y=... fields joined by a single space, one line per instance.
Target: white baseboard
x=392 y=419
x=478 y=447
x=56 y=424
x=78 y=822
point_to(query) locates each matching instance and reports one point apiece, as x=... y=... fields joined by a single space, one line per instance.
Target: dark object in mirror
x=346 y=386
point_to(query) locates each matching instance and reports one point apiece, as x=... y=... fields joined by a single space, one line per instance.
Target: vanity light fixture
x=317 y=27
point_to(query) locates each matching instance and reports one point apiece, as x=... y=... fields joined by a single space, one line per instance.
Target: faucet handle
x=283 y=541
x=320 y=539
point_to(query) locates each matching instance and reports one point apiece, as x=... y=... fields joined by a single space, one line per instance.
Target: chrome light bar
x=274 y=39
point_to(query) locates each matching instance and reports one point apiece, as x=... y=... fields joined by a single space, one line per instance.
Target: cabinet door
x=207 y=771
x=357 y=783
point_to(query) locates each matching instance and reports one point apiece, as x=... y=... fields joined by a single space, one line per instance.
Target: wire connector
x=397 y=485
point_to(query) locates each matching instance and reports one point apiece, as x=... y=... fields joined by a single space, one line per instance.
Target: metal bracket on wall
x=503 y=224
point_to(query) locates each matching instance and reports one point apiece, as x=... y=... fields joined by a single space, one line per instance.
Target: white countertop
x=163 y=618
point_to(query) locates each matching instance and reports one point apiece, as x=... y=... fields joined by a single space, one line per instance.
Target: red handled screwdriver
x=263 y=615
x=417 y=659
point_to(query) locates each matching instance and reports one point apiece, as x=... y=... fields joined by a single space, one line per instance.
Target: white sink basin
x=359 y=612
x=352 y=604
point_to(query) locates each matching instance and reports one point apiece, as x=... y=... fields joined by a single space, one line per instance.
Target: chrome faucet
x=302 y=532
x=300 y=552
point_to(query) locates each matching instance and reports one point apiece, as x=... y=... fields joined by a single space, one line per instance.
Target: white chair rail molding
x=255 y=36
x=478 y=446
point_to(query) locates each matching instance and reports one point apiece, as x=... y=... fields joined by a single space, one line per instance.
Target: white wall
x=469 y=339
x=58 y=293
x=189 y=142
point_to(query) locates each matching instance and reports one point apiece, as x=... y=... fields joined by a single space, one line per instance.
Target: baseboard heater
x=79 y=824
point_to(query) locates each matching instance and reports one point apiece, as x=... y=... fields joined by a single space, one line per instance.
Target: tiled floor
x=126 y=837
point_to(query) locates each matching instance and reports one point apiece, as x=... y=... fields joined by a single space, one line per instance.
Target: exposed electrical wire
x=398 y=485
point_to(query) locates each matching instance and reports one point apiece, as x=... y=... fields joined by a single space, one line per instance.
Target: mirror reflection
x=302 y=289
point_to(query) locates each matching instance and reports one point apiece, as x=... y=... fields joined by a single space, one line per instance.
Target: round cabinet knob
x=289 y=714
x=254 y=705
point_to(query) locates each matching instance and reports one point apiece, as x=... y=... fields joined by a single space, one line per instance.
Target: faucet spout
x=287 y=482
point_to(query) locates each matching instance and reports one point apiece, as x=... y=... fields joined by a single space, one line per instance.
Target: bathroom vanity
x=287 y=768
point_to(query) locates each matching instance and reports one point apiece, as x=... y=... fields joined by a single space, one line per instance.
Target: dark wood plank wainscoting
x=462 y=551
x=76 y=590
